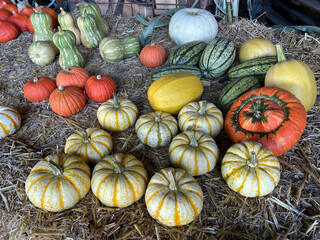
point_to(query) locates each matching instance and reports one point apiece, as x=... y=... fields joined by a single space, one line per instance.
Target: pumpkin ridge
x=191 y=203
x=131 y=171
x=73 y=185
x=239 y=189
x=160 y=205
x=61 y=202
x=147 y=135
x=131 y=187
x=177 y=218
x=108 y=177
x=178 y=163
x=166 y=125
x=12 y=120
x=154 y=193
x=42 y=201
x=181 y=177
x=96 y=149
x=100 y=142
x=268 y=173
x=67 y=171
x=258 y=182
x=191 y=190
x=207 y=148
x=34 y=181
x=233 y=171
x=5 y=130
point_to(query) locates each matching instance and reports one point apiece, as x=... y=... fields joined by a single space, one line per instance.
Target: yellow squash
x=255 y=48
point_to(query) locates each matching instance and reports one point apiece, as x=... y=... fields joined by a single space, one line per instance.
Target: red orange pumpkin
x=20 y=20
x=10 y=7
x=8 y=31
x=153 y=55
x=39 y=89
x=73 y=76
x=100 y=88
x=4 y=14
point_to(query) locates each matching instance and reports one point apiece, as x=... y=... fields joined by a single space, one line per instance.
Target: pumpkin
x=256 y=48
x=58 y=182
x=67 y=101
x=4 y=14
x=153 y=55
x=4 y=2
x=42 y=52
x=100 y=88
x=295 y=76
x=73 y=76
x=173 y=91
x=91 y=145
x=8 y=31
x=39 y=89
x=10 y=7
x=194 y=151
x=269 y=115
x=173 y=197
x=20 y=20
x=156 y=129
x=192 y=24
x=10 y=121
x=119 y=180
x=250 y=169
x=25 y=8
x=117 y=114
x=203 y=115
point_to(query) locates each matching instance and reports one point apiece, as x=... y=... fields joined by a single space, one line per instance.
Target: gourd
x=8 y=31
x=70 y=55
x=42 y=52
x=20 y=20
x=10 y=121
x=156 y=129
x=73 y=76
x=295 y=76
x=100 y=88
x=192 y=24
x=153 y=55
x=39 y=89
x=188 y=53
x=194 y=151
x=58 y=182
x=250 y=169
x=119 y=180
x=111 y=50
x=91 y=145
x=66 y=22
x=117 y=114
x=131 y=46
x=51 y=12
x=173 y=197
x=256 y=48
x=271 y=116
x=42 y=25
x=160 y=72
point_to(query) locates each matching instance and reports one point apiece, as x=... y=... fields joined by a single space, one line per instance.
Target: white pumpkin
x=192 y=24
x=10 y=121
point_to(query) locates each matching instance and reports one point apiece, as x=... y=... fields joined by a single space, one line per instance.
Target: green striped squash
x=188 y=54
x=66 y=22
x=175 y=68
x=111 y=49
x=217 y=57
x=42 y=24
x=131 y=46
x=42 y=52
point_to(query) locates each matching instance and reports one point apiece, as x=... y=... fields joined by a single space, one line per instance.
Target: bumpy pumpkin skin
x=10 y=121
x=255 y=48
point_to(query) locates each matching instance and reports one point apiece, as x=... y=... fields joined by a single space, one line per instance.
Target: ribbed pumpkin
x=173 y=197
x=67 y=101
x=119 y=180
x=9 y=6
x=153 y=55
x=8 y=31
x=42 y=52
x=58 y=182
x=255 y=48
x=173 y=91
x=156 y=129
x=20 y=20
x=203 y=116
x=25 y=8
x=111 y=49
x=66 y=22
x=250 y=169
x=73 y=76
x=4 y=14
x=91 y=145
x=117 y=114
x=10 y=121
x=295 y=76
x=194 y=151
x=4 y=2
x=100 y=88
x=39 y=89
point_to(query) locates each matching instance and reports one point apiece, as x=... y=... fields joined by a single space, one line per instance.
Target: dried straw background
x=291 y=211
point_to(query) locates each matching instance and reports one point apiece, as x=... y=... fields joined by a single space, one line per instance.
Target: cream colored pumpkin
x=173 y=197
x=10 y=121
x=255 y=48
x=250 y=169
x=117 y=115
x=156 y=129
x=92 y=145
x=119 y=180
x=58 y=182
x=203 y=116
x=194 y=151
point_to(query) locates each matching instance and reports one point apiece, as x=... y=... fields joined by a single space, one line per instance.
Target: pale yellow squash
x=256 y=48
x=10 y=121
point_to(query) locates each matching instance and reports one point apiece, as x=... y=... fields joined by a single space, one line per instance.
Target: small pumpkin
x=156 y=129
x=9 y=6
x=153 y=55
x=4 y=14
x=119 y=180
x=58 y=182
x=39 y=89
x=42 y=52
x=250 y=169
x=20 y=20
x=173 y=197
x=100 y=88
x=117 y=114
x=25 y=8
x=10 y=121
x=256 y=48
x=4 y=2
x=8 y=31
x=73 y=76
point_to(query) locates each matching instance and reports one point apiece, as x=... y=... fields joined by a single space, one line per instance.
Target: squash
x=111 y=50
x=66 y=22
x=20 y=20
x=256 y=48
x=58 y=182
x=73 y=76
x=250 y=169
x=119 y=180
x=188 y=53
x=173 y=91
x=39 y=89
x=42 y=52
x=153 y=55
x=131 y=46
x=51 y=12
x=4 y=14
x=295 y=76
x=173 y=197
x=10 y=121
x=156 y=129
x=42 y=25
x=194 y=151
x=8 y=31
x=100 y=88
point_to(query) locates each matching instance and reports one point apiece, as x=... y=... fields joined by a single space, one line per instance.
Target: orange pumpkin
x=73 y=76
x=100 y=88
x=4 y=14
x=153 y=55
x=20 y=20
x=39 y=89
x=8 y=31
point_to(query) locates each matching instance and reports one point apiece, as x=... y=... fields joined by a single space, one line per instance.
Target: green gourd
x=111 y=49
x=131 y=46
x=66 y=22
x=42 y=24
x=42 y=52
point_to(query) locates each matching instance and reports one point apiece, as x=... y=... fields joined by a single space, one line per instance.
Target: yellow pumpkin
x=194 y=151
x=10 y=121
x=92 y=145
x=295 y=76
x=173 y=197
x=250 y=169
x=58 y=182
x=255 y=48
x=119 y=180
x=173 y=91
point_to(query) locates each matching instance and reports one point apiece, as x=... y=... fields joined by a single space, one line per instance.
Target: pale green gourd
x=42 y=24
x=66 y=22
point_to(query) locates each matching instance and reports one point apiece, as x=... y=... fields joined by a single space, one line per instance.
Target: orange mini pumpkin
x=153 y=55
x=39 y=89
x=100 y=88
x=73 y=76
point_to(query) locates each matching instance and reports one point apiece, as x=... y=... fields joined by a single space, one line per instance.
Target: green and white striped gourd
x=131 y=46
x=42 y=52
x=66 y=22
x=70 y=55
x=42 y=24
x=111 y=49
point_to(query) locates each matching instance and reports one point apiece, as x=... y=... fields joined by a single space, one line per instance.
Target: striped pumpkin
x=92 y=145
x=188 y=53
x=250 y=169
x=203 y=116
x=156 y=129
x=119 y=180
x=58 y=182
x=194 y=151
x=173 y=197
x=10 y=121
x=111 y=50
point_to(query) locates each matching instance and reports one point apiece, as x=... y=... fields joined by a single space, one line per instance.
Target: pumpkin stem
x=192 y=12
x=85 y=137
x=99 y=77
x=172 y=181
x=252 y=161
x=203 y=107
x=280 y=53
x=118 y=167
x=57 y=170
x=59 y=29
x=61 y=88
x=116 y=102
x=157 y=118
x=62 y=11
x=35 y=79
x=193 y=141
x=257 y=114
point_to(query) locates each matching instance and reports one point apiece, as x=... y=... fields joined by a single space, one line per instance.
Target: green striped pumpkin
x=188 y=54
x=42 y=24
x=175 y=68
x=111 y=49
x=217 y=57
x=131 y=46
